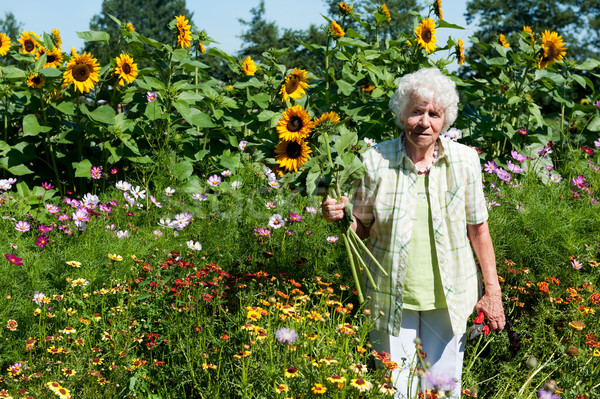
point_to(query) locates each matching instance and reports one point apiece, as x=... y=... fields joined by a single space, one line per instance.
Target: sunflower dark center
x=50 y=58
x=36 y=80
x=292 y=84
x=294 y=124
x=126 y=68
x=293 y=150
x=551 y=51
x=426 y=35
x=81 y=72
x=29 y=45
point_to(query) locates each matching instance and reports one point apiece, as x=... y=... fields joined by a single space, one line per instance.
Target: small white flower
x=332 y=239
x=236 y=184
x=169 y=191
x=122 y=234
x=226 y=173
x=123 y=185
x=242 y=145
x=196 y=246
x=276 y=221
x=370 y=142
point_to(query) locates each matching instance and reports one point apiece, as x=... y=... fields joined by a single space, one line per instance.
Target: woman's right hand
x=332 y=210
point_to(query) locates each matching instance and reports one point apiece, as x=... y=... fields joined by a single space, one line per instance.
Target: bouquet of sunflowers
x=321 y=156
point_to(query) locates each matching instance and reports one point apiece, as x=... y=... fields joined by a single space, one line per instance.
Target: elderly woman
x=420 y=202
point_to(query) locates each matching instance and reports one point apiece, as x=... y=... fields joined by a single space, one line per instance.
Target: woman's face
x=423 y=121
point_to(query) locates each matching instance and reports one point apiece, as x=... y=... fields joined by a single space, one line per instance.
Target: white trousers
x=445 y=351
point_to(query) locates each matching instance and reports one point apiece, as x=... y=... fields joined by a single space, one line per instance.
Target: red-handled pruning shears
x=479 y=326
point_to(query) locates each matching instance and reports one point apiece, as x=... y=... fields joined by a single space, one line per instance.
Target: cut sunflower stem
x=364 y=247
x=361 y=298
x=360 y=260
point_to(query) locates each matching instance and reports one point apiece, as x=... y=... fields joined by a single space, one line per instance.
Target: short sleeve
x=475 y=204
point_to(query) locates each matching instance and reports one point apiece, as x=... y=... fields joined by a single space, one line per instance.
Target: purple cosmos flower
x=504 y=175
x=598 y=104
x=151 y=96
x=514 y=168
x=226 y=173
x=518 y=157
x=523 y=132
x=276 y=221
x=587 y=150
x=96 y=172
x=490 y=167
x=270 y=205
x=286 y=335
x=200 y=197
x=579 y=181
x=22 y=226
x=576 y=263
x=242 y=145
x=14 y=259
x=114 y=171
x=544 y=151
x=332 y=239
x=441 y=382
x=47 y=186
x=214 y=180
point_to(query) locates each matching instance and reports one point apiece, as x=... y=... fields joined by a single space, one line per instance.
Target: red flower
x=480 y=318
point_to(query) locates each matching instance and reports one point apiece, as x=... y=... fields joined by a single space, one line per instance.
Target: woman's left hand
x=491 y=305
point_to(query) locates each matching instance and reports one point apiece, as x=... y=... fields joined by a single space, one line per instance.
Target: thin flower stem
x=364 y=247
x=361 y=262
x=361 y=298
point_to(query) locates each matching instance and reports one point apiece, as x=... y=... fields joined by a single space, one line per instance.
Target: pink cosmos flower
x=14 y=259
x=22 y=226
x=490 y=167
x=47 y=186
x=151 y=96
x=41 y=241
x=96 y=172
x=214 y=180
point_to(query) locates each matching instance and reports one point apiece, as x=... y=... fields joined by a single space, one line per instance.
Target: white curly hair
x=428 y=84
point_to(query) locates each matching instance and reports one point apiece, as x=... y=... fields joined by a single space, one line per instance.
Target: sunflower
x=28 y=42
x=554 y=49
x=503 y=41
x=331 y=117
x=345 y=8
x=291 y=154
x=82 y=70
x=385 y=11
x=336 y=29
x=437 y=9
x=460 y=56
x=295 y=125
x=36 y=81
x=426 y=35
x=53 y=57
x=249 y=67
x=55 y=36
x=4 y=43
x=201 y=47
x=527 y=29
x=294 y=85
x=126 y=69
x=184 y=35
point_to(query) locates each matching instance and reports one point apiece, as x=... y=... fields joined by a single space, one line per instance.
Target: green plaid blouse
x=385 y=200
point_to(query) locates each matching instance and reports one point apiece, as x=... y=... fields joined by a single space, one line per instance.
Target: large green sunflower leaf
x=94 y=36
x=31 y=127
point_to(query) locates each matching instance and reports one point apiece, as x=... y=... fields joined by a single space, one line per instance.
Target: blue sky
x=218 y=18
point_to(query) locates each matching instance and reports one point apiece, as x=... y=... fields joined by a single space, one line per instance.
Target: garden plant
x=161 y=229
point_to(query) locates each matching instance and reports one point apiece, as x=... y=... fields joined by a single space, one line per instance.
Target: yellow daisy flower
x=503 y=41
x=318 y=389
x=295 y=85
x=82 y=70
x=426 y=35
x=126 y=70
x=295 y=124
x=336 y=29
x=554 y=49
x=28 y=42
x=37 y=81
x=4 y=44
x=248 y=66
x=291 y=155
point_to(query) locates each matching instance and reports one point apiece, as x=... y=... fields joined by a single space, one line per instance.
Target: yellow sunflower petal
x=426 y=35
